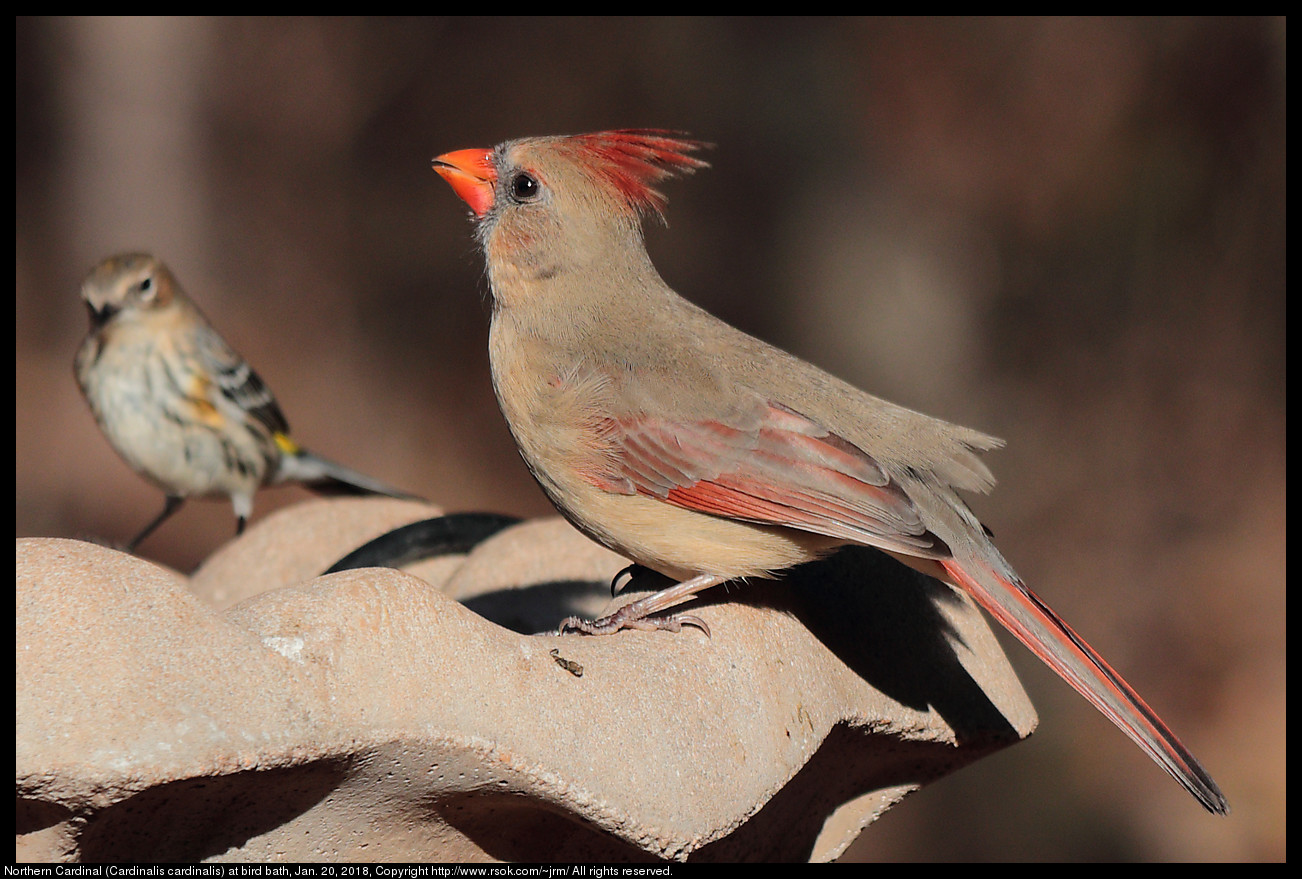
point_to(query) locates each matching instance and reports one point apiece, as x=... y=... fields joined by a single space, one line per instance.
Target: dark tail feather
x=328 y=478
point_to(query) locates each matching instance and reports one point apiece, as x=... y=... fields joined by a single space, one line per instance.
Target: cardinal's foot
x=641 y=614
x=609 y=625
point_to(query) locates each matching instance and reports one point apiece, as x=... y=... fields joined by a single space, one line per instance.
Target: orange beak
x=471 y=175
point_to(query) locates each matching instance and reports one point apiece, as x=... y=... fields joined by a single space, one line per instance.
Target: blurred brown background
x=1068 y=233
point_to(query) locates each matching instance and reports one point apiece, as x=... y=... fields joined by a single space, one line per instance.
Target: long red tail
x=1036 y=625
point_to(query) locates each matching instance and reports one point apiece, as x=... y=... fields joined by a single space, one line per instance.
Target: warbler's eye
x=147 y=287
x=524 y=187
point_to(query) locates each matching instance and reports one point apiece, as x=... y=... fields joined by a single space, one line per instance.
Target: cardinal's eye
x=524 y=187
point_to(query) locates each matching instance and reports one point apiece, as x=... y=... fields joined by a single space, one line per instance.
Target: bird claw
x=638 y=615
x=629 y=572
x=609 y=625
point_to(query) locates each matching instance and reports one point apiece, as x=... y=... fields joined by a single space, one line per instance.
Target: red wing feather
x=786 y=470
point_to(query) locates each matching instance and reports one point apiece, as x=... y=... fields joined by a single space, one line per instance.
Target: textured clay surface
x=258 y=711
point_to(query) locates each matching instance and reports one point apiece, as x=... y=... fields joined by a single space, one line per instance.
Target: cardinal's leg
x=637 y=615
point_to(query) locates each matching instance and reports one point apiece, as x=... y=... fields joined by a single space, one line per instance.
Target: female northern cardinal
x=706 y=454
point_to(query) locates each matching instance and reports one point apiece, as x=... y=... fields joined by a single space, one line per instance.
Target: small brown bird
x=708 y=455
x=180 y=405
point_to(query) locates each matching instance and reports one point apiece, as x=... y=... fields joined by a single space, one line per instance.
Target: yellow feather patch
x=202 y=408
